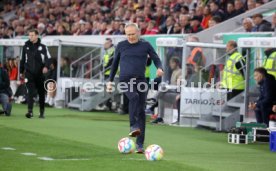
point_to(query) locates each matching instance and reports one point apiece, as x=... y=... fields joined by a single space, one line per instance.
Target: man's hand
x=109 y=87
x=44 y=70
x=274 y=108
x=159 y=72
x=252 y=106
x=21 y=76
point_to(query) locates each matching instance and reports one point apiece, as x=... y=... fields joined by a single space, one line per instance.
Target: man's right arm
x=115 y=63
x=22 y=61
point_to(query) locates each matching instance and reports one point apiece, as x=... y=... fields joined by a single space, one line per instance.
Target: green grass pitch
x=66 y=135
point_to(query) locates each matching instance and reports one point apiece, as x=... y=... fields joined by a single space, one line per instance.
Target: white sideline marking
x=134 y=159
x=8 y=148
x=72 y=159
x=46 y=158
x=28 y=154
x=52 y=159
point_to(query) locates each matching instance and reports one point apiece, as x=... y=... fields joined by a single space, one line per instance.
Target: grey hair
x=132 y=25
x=248 y=20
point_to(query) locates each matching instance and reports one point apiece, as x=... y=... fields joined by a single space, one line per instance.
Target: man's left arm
x=156 y=60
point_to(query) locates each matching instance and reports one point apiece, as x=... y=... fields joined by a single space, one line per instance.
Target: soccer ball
x=154 y=152
x=126 y=145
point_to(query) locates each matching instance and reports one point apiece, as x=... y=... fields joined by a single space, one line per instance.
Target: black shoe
x=158 y=120
x=134 y=132
x=29 y=115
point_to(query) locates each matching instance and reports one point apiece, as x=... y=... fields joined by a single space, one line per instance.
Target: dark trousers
x=137 y=100
x=262 y=114
x=35 y=82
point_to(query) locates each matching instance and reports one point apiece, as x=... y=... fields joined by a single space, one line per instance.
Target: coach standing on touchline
x=132 y=54
x=34 y=63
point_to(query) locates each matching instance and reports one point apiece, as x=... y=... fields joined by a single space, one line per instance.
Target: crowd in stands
x=108 y=17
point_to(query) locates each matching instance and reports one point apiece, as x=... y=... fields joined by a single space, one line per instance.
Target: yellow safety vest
x=232 y=78
x=270 y=64
x=147 y=73
x=109 y=53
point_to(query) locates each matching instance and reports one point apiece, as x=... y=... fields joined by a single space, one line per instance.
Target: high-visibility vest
x=231 y=77
x=191 y=59
x=109 y=53
x=270 y=64
x=147 y=72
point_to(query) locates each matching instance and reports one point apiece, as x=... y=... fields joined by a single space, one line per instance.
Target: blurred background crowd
x=108 y=17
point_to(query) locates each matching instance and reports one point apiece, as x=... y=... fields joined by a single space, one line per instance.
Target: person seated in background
x=248 y=25
x=170 y=95
x=196 y=24
x=273 y=23
x=65 y=67
x=195 y=59
x=5 y=92
x=13 y=73
x=261 y=25
x=51 y=79
x=264 y=105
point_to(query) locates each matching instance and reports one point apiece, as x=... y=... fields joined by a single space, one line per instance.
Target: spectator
x=151 y=29
x=263 y=106
x=195 y=24
x=159 y=17
x=86 y=29
x=184 y=21
x=251 y=4
x=5 y=92
x=61 y=30
x=41 y=29
x=116 y=28
x=273 y=23
x=248 y=25
x=259 y=3
x=214 y=21
x=169 y=26
x=142 y=25
x=261 y=25
x=12 y=69
x=230 y=12
x=216 y=11
x=50 y=30
x=176 y=28
x=206 y=17
x=239 y=7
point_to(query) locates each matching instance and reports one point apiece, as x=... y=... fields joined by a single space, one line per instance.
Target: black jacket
x=5 y=82
x=264 y=26
x=34 y=57
x=267 y=92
